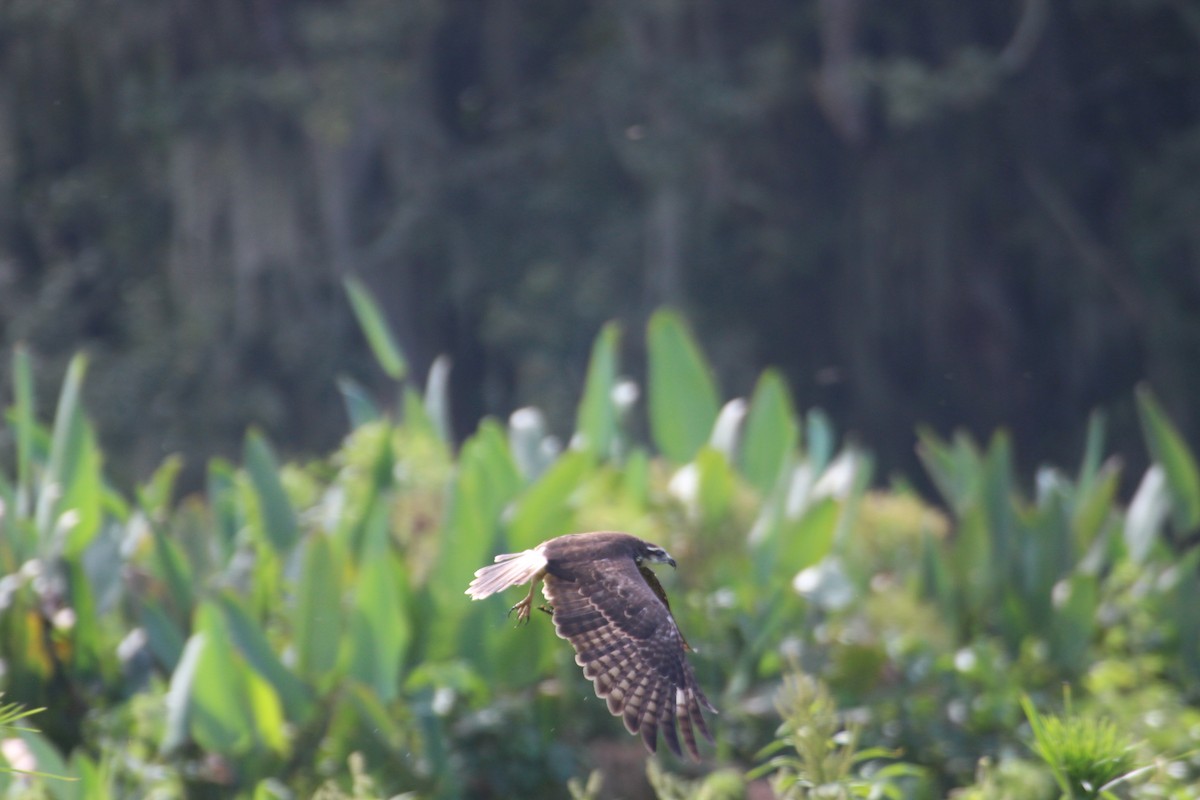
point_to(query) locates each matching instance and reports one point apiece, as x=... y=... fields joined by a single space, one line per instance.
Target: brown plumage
x=609 y=605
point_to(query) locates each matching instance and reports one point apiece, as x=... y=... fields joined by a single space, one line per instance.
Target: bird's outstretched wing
x=630 y=648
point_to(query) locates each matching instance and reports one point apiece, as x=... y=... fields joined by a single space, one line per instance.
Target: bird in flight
x=609 y=605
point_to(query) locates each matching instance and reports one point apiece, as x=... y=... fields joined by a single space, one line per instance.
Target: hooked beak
x=671 y=561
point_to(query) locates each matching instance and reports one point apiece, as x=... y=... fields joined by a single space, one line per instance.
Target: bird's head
x=654 y=554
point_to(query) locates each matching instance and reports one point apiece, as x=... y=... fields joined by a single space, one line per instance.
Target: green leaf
x=544 y=510
x=596 y=419
x=251 y=641
x=488 y=481
x=376 y=329
x=682 y=395
x=807 y=540
x=717 y=485
x=772 y=432
x=67 y=439
x=1095 y=504
x=317 y=620
x=1074 y=620
x=233 y=710
x=162 y=634
x=276 y=517
x=220 y=720
x=172 y=569
x=74 y=468
x=156 y=494
x=379 y=625
x=1168 y=449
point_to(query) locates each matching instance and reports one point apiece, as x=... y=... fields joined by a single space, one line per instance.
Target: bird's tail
x=510 y=569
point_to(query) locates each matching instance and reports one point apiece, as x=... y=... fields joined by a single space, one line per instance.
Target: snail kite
x=610 y=606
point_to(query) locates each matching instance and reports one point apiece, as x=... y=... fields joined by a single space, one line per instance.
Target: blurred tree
x=968 y=214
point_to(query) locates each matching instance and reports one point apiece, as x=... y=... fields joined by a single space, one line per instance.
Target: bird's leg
x=522 y=608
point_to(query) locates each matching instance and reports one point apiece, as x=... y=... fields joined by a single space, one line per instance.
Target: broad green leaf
x=682 y=395
x=233 y=709
x=1168 y=449
x=717 y=485
x=317 y=619
x=162 y=634
x=67 y=439
x=1094 y=506
x=635 y=477
x=74 y=468
x=172 y=569
x=379 y=625
x=83 y=504
x=805 y=541
x=276 y=516
x=251 y=641
x=88 y=648
x=488 y=481
x=544 y=509
x=266 y=710
x=596 y=419
x=220 y=721
x=771 y=433
x=376 y=329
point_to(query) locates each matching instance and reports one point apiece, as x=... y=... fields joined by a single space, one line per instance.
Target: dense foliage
x=964 y=214
x=301 y=628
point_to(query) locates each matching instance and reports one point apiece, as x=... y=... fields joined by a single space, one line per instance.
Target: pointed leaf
x=379 y=626
x=277 y=519
x=682 y=394
x=1169 y=450
x=772 y=433
x=375 y=328
x=251 y=641
x=596 y=419
x=317 y=620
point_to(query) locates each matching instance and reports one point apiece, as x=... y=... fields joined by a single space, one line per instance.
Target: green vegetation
x=300 y=629
x=959 y=213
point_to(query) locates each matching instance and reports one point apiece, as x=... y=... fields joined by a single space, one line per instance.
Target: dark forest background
x=964 y=214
